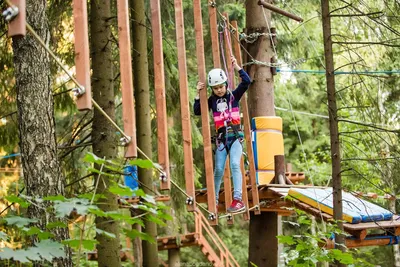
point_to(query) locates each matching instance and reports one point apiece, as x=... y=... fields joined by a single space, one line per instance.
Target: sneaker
x=236 y=206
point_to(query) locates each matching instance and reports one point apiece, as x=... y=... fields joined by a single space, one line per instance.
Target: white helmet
x=216 y=77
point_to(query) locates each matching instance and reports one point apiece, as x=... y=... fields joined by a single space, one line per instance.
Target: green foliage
x=307 y=249
x=84 y=205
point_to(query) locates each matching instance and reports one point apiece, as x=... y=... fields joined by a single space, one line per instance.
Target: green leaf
x=142 y=163
x=82 y=207
x=155 y=220
x=135 y=233
x=76 y=243
x=107 y=234
x=3 y=236
x=19 y=221
x=121 y=190
x=53 y=225
x=92 y=158
x=55 y=198
x=36 y=231
x=286 y=239
x=49 y=249
x=150 y=199
x=16 y=199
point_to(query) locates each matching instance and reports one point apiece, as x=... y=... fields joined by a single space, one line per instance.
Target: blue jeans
x=235 y=154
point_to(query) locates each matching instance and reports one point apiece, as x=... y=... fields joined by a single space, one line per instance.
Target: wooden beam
x=201 y=67
x=184 y=97
x=231 y=82
x=82 y=56
x=279 y=11
x=279 y=167
x=212 y=14
x=128 y=102
x=246 y=124
x=159 y=85
x=17 y=26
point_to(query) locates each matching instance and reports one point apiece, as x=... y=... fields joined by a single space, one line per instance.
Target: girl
x=225 y=108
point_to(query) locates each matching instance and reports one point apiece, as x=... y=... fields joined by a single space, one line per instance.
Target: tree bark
x=38 y=145
x=103 y=133
x=143 y=116
x=264 y=227
x=333 y=124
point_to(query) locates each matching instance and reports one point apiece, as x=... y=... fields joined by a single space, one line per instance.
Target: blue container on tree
x=131 y=177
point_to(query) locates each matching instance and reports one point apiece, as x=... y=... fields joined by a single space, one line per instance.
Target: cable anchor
x=10 y=13
x=189 y=201
x=163 y=177
x=229 y=217
x=212 y=4
x=78 y=91
x=125 y=140
x=212 y=216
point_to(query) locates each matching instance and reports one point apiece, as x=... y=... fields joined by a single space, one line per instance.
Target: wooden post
x=279 y=11
x=82 y=56
x=17 y=26
x=204 y=110
x=279 y=161
x=246 y=123
x=128 y=102
x=184 y=95
x=212 y=13
x=231 y=82
x=159 y=84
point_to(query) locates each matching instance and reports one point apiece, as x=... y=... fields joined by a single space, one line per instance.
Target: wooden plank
x=184 y=97
x=17 y=26
x=128 y=102
x=227 y=187
x=201 y=67
x=82 y=56
x=212 y=14
x=371 y=240
x=245 y=197
x=374 y=225
x=246 y=124
x=134 y=200
x=159 y=86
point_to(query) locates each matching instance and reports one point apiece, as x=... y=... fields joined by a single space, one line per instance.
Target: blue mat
x=355 y=210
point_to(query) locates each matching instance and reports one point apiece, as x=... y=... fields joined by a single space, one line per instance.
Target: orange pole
x=247 y=133
x=204 y=110
x=128 y=102
x=212 y=13
x=159 y=85
x=17 y=26
x=82 y=61
x=184 y=95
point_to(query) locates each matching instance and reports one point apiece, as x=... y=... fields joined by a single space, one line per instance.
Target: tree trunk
x=333 y=124
x=143 y=116
x=38 y=145
x=103 y=133
x=264 y=227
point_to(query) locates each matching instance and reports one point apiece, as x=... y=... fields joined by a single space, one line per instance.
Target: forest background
x=366 y=49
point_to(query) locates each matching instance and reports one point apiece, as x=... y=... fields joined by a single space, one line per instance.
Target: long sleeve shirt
x=226 y=108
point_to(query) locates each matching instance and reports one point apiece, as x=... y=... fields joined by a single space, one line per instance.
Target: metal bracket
x=163 y=177
x=212 y=216
x=125 y=141
x=189 y=201
x=212 y=4
x=10 y=13
x=78 y=91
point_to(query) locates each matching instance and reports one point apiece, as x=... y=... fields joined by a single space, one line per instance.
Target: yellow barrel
x=267 y=140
